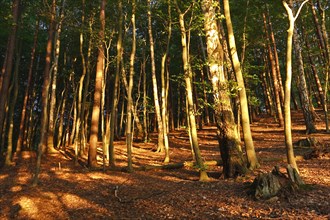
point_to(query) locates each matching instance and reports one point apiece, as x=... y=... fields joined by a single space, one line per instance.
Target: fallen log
x=180 y=165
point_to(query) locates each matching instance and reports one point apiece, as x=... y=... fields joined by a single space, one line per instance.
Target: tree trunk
x=27 y=90
x=287 y=111
x=93 y=139
x=44 y=96
x=8 y=65
x=248 y=140
x=13 y=91
x=274 y=75
x=52 y=104
x=190 y=102
x=129 y=136
x=116 y=85
x=306 y=104
x=160 y=127
x=227 y=132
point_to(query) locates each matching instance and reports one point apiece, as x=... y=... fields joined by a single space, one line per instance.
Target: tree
x=248 y=140
x=189 y=92
x=93 y=139
x=227 y=131
x=154 y=86
x=8 y=64
x=287 y=111
x=45 y=90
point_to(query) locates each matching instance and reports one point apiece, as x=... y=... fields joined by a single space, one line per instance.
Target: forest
x=164 y=109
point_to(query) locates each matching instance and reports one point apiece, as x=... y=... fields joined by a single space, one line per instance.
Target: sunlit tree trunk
x=165 y=81
x=8 y=65
x=145 y=102
x=154 y=83
x=287 y=111
x=227 y=131
x=248 y=140
x=45 y=90
x=93 y=139
x=190 y=102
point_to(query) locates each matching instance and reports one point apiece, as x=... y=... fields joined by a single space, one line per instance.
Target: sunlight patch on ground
x=28 y=206
x=16 y=188
x=2 y=177
x=75 y=202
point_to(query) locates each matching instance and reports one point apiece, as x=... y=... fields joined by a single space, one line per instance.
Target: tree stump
x=268 y=185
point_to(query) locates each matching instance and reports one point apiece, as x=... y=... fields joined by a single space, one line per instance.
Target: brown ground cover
x=68 y=191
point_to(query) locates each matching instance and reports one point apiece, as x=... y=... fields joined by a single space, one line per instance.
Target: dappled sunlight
x=28 y=207
x=3 y=176
x=16 y=188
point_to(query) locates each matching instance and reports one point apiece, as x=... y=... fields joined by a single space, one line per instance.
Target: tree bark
x=160 y=127
x=27 y=90
x=45 y=90
x=248 y=140
x=8 y=65
x=227 y=132
x=93 y=139
x=287 y=99
x=190 y=102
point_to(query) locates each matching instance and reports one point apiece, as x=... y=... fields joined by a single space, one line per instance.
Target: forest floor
x=69 y=191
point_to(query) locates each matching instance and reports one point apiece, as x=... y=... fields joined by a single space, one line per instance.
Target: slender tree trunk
x=287 y=111
x=8 y=65
x=52 y=104
x=27 y=90
x=44 y=95
x=277 y=62
x=154 y=83
x=227 y=131
x=129 y=136
x=306 y=104
x=13 y=97
x=116 y=85
x=164 y=80
x=190 y=102
x=275 y=78
x=248 y=140
x=145 y=102
x=327 y=67
x=93 y=139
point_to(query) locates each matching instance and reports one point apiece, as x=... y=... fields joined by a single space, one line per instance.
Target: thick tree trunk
x=227 y=132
